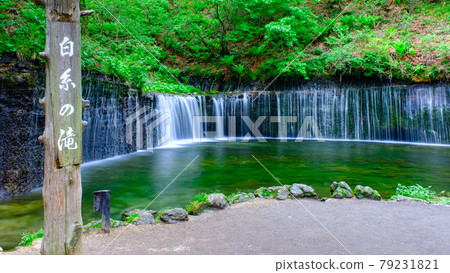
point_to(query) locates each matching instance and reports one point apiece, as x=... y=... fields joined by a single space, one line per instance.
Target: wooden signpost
x=63 y=128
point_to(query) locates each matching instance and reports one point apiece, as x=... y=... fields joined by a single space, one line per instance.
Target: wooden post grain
x=63 y=129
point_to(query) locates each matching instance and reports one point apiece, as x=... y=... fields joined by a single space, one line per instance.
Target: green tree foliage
x=22 y=28
x=154 y=44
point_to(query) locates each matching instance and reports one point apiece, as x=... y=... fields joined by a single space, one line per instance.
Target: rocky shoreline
x=204 y=202
x=219 y=201
x=271 y=226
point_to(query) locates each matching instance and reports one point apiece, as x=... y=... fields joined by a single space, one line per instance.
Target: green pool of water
x=136 y=179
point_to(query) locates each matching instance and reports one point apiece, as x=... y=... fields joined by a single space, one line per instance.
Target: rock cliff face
x=21 y=123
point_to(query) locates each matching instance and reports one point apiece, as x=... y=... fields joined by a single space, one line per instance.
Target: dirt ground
x=287 y=227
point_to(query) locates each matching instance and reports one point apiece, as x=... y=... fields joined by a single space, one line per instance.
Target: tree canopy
x=149 y=43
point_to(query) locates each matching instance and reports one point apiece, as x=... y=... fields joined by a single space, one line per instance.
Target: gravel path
x=286 y=227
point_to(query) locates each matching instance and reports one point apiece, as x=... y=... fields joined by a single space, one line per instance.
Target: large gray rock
x=279 y=192
x=341 y=190
x=172 y=216
x=145 y=216
x=217 y=200
x=282 y=194
x=366 y=192
x=296 y=191
x=302 y=190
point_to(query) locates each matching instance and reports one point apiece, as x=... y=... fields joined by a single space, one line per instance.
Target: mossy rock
x=199 y=204
x=279 y=192
x=302 y=191
x=129 y=212
x=197 y=207
x=264 y=192
x=240 y=198
x=341 y=190
x=139 y=216
x=217 y=200
x=366 y=192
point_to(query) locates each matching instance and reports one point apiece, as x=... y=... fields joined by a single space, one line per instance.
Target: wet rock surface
x=21 y=123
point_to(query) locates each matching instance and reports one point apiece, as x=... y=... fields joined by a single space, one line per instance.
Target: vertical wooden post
x=63 y=129
x=102 y=202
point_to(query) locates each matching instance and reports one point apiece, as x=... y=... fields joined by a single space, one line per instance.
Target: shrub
x=422 y=193
x=28 y=238
x=401 y=47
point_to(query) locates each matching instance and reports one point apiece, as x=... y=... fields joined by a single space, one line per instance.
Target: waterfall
x=419 y=113
x=219 y=116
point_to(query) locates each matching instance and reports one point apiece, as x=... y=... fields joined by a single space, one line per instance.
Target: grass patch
x=28 y=238
x=132 y=217
x=201 y=197
x=422 y=193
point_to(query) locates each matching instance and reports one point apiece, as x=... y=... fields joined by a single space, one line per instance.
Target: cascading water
x=412 y=114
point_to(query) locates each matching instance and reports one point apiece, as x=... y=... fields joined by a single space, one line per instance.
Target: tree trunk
x=63 y=129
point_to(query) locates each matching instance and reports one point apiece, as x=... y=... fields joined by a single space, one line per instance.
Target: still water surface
x=136 y=179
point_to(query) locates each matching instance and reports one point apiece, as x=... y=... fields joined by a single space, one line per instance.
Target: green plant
x=401 y=47
x=416 y=191
x=422 y=193
x=419 y=70
x=228 y=60
x=201 y=197
x=266 y=193
x=198 y=204
x=28 y=238
x=132 y=217
x=158 y=42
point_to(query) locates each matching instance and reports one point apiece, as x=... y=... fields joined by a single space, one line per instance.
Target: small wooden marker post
x=102 y=202
x=63 y=225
